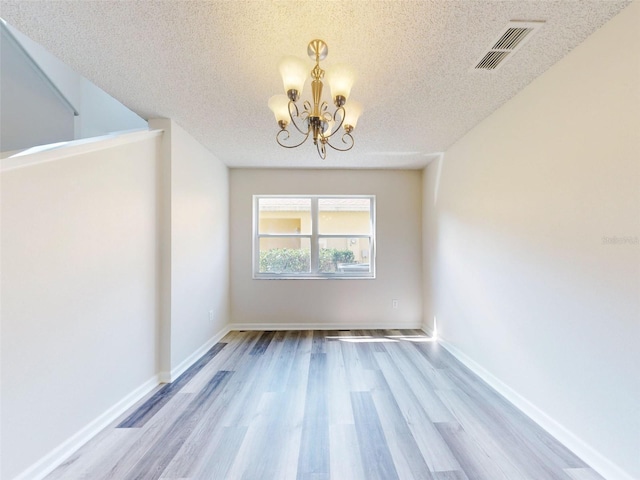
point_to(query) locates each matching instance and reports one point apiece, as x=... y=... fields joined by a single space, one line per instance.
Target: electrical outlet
x=394 y=303
x=211 y=315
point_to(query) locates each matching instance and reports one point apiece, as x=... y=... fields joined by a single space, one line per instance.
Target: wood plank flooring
x=314 y=405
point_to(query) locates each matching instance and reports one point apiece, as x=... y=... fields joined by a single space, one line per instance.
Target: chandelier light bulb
x=294 y=73
x=279 y=105
x=340 y=78
x=330 y=126
x=353 y=110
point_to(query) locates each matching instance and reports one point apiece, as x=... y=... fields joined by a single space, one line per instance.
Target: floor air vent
x=512 y=37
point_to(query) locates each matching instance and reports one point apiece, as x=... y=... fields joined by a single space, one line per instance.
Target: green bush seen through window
x=291 y=260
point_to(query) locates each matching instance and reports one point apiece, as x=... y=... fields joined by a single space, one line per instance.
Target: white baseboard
x=168 y=377
x=55 y=457
x=427 y=329
x=324 y=326
x=588 y=454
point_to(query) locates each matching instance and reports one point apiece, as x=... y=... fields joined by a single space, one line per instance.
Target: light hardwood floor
x=342 y=405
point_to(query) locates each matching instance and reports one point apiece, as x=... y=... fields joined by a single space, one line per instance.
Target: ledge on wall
x=57 y=151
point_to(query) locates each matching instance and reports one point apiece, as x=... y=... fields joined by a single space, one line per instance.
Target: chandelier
x=315 y=121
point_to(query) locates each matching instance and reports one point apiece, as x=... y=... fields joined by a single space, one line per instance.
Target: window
x=319 y=236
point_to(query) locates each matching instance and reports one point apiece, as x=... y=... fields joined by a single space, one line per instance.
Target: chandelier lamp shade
x=314 y=120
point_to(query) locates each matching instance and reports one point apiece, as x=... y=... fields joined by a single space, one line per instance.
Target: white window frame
x=314 y=238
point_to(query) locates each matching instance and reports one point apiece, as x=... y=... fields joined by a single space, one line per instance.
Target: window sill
x=286 y=276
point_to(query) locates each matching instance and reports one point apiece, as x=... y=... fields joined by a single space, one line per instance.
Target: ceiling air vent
x=512 y=37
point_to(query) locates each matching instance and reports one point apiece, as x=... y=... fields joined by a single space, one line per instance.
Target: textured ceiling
x=212 y=65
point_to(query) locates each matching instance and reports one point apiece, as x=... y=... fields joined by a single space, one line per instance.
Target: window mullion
x=315 y=247
x=280 y=217
x=256 y=232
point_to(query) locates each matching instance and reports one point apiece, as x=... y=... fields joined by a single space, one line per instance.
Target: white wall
x=520 y=275
x=332 y=303
x=79 y=297
x=30 y=112
x=199 y=245
x=112 y=261
x=23 y=110
x=100 y=113
x=67 y=80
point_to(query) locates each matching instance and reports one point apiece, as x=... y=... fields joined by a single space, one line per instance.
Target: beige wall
x=332 y=303
x=115 y=272
x=199 y=247
x=520 y=273
x=79 y=297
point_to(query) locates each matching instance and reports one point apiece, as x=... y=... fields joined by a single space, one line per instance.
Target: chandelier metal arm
x=351 y=142
x=342 y=113
x=306 y=136
x=293 y=117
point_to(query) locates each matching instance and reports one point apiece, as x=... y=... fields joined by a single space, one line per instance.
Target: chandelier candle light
x=315 y=120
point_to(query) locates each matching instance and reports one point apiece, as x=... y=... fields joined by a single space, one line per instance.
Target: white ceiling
x=212 y=65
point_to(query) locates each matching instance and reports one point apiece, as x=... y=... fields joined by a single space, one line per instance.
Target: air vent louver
x=491 y=60
x=513 y=36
